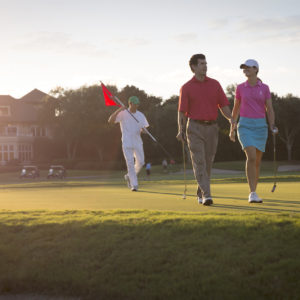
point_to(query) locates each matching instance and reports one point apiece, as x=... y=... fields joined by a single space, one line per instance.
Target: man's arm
x=181 y=124
x=113 y=116
x=225 y=110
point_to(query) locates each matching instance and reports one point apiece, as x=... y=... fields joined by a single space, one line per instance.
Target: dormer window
x=4 y=110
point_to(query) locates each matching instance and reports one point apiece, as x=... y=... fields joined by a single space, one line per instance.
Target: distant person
x=172 y=164
x=199 y=101
x=252 y=102
x=165 y=165
x=132 y=143
x=148 y=169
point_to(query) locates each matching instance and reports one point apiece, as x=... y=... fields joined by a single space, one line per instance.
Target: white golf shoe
x=135 y=188
x=253 y=198
x=207 y=201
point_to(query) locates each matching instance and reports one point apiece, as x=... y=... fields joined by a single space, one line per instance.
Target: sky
x=148 y=44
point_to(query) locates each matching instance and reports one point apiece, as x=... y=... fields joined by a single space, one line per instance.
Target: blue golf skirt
x=253 y=132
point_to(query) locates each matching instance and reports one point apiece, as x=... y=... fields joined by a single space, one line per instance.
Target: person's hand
x=233 y=124
x=274 y=129
x=232 y=134
x=179 y=136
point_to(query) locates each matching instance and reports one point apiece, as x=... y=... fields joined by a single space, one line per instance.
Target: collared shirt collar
x=196 y=80
x=258 y=83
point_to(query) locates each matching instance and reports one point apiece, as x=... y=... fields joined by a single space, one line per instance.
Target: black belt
x=204 y=122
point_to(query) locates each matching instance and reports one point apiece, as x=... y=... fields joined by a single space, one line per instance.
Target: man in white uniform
x=132 y=143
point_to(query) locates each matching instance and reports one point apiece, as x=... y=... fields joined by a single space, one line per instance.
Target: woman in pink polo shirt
x=252 y=103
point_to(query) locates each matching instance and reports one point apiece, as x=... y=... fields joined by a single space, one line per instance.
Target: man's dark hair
x=194 y=59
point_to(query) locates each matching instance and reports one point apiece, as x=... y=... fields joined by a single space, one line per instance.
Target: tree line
x=82 y=136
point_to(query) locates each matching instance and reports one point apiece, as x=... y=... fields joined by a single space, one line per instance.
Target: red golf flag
x=108 y=96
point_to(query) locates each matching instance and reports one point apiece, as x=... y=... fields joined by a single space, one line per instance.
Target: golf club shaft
x=152 y=137
x=184 y=168
x=121 y=103
x=156 y=141
x=274 y=162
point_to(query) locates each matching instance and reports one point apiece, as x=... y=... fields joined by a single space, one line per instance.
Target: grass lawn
x=95 y=239
x=153 y=195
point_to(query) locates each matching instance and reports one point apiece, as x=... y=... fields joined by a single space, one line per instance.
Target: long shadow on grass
x=162 y=193
x=64 y=184
x=265 y=200
x=286 y=178
x=270 y=203
x=255 y=207
x=188 y=195
x=150 y=256
x=282 y=201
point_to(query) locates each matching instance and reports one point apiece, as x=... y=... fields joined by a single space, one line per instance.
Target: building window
x=6 y=152
x=4 y=110
x=25 y=152
x=38 y=131
x=12 y=131
x=32 y=129
x=43 y=131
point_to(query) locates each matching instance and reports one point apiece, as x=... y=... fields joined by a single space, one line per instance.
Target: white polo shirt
x=130 y=128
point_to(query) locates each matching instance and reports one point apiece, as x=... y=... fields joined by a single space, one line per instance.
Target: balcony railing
x=5 y=134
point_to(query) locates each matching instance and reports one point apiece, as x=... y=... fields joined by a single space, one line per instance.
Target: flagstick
x=113 y=97
x=152 y=137
x=144 y=128
x=121 y=103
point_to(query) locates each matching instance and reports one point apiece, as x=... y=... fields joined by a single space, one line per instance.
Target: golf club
x=184 y=171
x=274 y=132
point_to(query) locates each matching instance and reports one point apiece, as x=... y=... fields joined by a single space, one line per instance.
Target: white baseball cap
x=249 y=63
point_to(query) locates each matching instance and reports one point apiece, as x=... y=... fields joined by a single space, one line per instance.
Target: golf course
x=89 y=237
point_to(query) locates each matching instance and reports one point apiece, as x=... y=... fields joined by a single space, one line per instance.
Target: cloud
x=260 y=29
x=230 y=74
x=186 y=37
x=280 y=29
x=129 y=42
x=218 y=24
x=59 y=42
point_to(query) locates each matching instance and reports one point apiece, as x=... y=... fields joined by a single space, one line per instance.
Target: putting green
x=152 y=195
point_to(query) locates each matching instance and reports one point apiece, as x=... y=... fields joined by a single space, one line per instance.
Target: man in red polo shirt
x=199 y=101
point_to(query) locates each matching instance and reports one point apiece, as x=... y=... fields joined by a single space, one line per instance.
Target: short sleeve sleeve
x=238 y=94
x=144 y=122
x=183 y=103
x=119 y=117
x=223 y=101
x=267 y=93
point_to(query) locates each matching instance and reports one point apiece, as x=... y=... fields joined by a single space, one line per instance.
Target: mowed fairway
x=157 y=195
